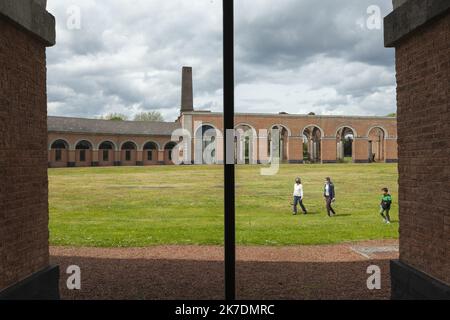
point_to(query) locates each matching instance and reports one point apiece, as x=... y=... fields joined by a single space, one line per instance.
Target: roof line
x=291 y=115
x=90 y=119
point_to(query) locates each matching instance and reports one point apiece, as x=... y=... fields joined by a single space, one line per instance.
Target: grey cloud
x=290 y=31
x=127 y=57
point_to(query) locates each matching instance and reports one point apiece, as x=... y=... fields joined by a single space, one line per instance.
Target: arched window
x=150 y=151
x=129 y=147
x=278 y=148
x=205 y=137
x=169 y=150
x=245 y=144
x=105 y=149
x=345 y=138
x=59 y=146
x=312 y=144
x=81 y=148
x=106 y=146
x=376 y=138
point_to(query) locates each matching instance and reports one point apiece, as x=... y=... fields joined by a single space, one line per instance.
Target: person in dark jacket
x=298 y=196
x=330 y=196
x=385 y=206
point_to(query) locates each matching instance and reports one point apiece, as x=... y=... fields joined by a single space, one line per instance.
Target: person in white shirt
x=330 y=196
x=298 y=196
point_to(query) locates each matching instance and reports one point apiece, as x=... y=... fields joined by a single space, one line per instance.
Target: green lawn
x=142 y=206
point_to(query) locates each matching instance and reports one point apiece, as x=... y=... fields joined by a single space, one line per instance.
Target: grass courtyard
x=143 y=206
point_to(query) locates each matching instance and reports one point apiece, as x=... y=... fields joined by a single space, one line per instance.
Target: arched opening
x=168 y=152
x=83 y=153
x=59 y=153
x=106 y=156
x=376 y=138
x=278 y=148
x=245 y=144
x=150 y=155
x=312 y=144
x=205 y=145
x=345 y=138
x=128 y=153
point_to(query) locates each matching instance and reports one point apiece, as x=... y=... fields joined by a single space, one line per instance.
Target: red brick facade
x=423 y=76
x=374 y=139
x=297 y=127
x=117 y=155
x=23 y=156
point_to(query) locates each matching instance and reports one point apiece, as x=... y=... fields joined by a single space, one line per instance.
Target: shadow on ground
x=157 y=279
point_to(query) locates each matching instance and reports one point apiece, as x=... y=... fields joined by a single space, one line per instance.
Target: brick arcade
x=75 y=142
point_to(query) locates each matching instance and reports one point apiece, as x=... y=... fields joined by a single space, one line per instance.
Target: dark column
x=229 y=168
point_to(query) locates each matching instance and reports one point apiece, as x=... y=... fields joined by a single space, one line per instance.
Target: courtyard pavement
x=196 y=272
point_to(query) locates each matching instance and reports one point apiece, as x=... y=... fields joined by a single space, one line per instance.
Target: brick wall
x=423 y=76
x=329 y=125
x=116 y=155
x=23 y=156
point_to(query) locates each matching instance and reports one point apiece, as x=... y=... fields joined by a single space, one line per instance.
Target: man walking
x=330 y=196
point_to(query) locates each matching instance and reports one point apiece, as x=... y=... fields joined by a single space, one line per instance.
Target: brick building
x=420 y=32
x=78 y=142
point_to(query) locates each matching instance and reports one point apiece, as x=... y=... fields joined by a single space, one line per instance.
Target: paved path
x=196 y=272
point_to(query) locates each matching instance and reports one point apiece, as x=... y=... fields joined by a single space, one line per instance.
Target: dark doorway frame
x=229 y=169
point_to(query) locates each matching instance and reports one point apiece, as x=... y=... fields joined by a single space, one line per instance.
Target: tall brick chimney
x=187 y=96
x=419 y=30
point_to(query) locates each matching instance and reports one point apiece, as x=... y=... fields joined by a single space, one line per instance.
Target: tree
x=311 y=114
x=392 y=115
x=114 y=117
x=149 y=116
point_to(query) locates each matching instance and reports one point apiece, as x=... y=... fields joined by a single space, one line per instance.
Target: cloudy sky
x=295 y=56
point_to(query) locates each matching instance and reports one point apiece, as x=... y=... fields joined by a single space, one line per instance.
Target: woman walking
x=298 y=196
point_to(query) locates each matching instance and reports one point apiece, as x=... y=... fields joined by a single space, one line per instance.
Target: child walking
x=298 y=196
x=330 y=196
x=386 y=201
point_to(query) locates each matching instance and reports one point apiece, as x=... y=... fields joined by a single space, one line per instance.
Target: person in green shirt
x=385 y=207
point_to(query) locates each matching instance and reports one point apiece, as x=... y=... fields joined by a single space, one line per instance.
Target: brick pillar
x=263 y=157
x=72 y=155
x=117 y=158
x=391 y=150
x=161 y=157
x=361 y=150
x=295 y=149
x=329 y=150
x=95 y=155
x=26 y=29
x=420 y=32
x=139 y=158
x=220 y=157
